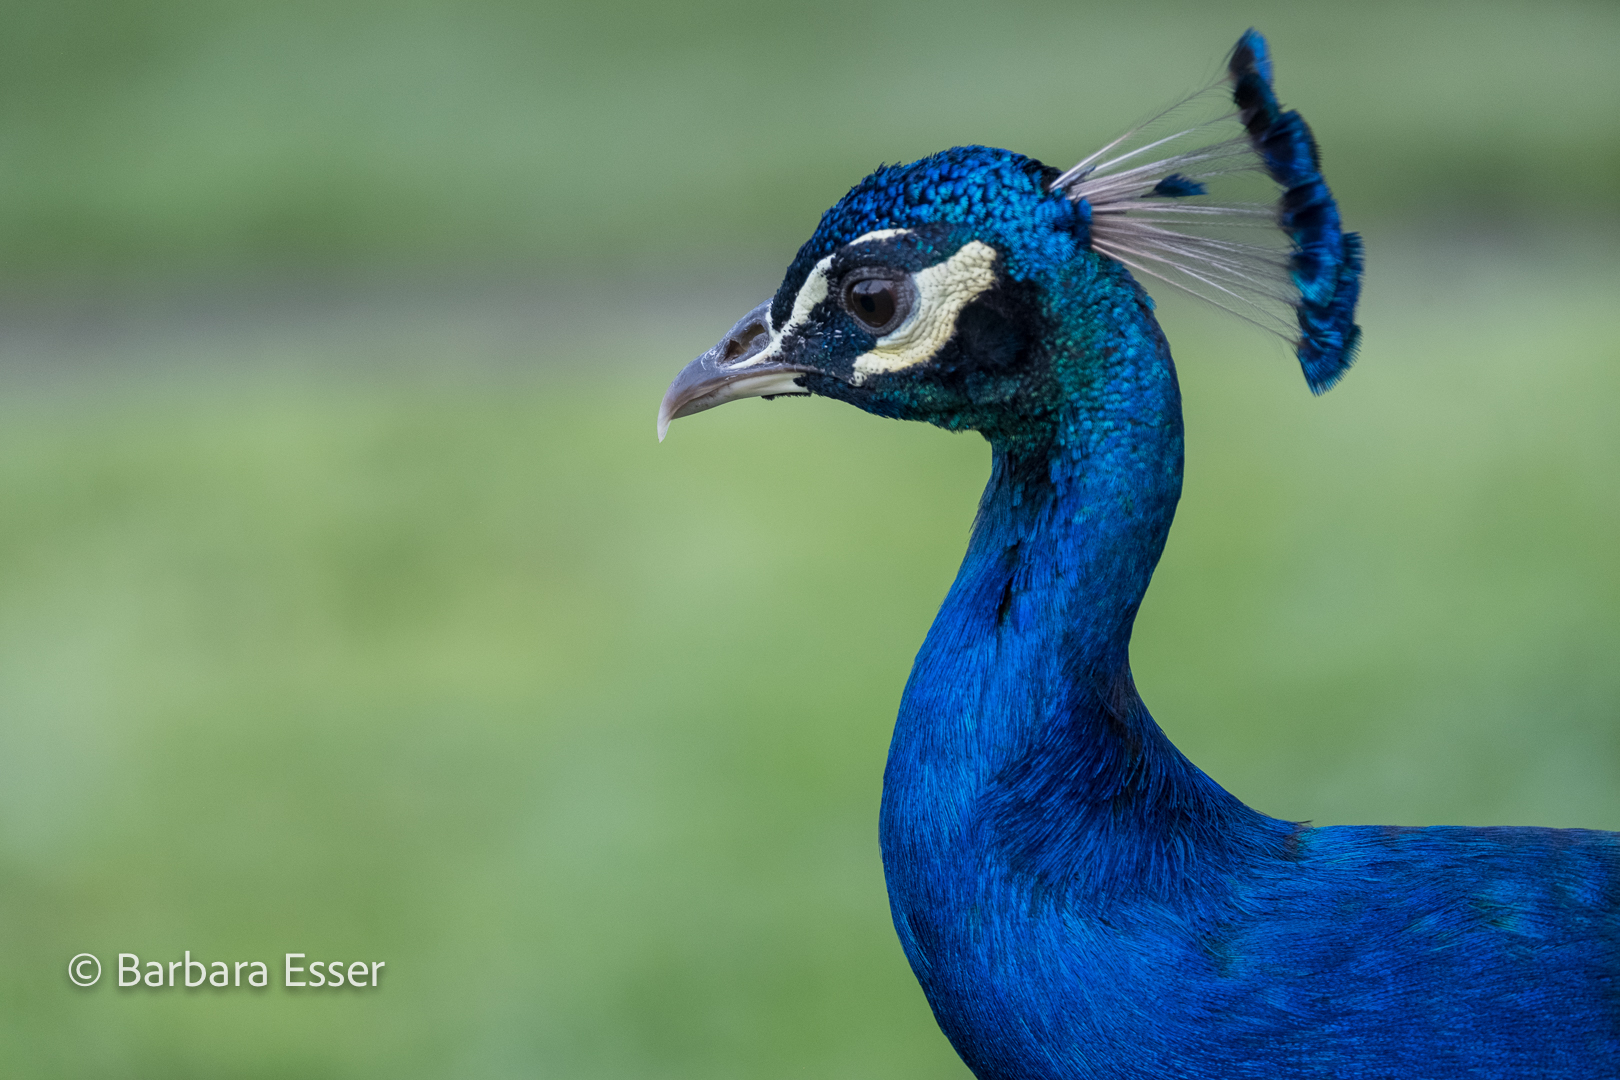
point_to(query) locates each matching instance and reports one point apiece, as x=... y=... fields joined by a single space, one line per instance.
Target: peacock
x=1077 y=899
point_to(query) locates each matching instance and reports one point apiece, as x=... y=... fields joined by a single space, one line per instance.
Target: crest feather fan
x=1273 y=254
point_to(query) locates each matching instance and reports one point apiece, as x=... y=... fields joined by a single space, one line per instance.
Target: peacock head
x=979 y=288
x=918 y=297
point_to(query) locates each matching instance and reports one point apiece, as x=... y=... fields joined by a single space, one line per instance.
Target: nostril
x=740 y=343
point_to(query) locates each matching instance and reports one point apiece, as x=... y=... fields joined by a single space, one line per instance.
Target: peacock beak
x=740 y=366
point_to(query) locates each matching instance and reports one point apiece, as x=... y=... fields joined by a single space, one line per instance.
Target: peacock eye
x=878 y=303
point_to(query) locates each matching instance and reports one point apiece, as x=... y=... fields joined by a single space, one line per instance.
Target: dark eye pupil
x=872 y=301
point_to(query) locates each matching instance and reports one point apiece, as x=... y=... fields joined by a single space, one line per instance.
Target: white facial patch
x=880 y=234
x=943 y=290
x=811 y=293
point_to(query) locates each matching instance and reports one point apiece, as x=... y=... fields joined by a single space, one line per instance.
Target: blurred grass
x=450 y=664
x=348 y=607
x=187 y=136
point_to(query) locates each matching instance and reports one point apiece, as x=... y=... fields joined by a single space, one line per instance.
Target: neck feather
x=1021 y=735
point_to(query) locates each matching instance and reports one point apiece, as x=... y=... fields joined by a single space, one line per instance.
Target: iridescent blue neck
x=1022 y=750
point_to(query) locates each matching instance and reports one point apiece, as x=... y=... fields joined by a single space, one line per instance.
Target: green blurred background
x=348 y=606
